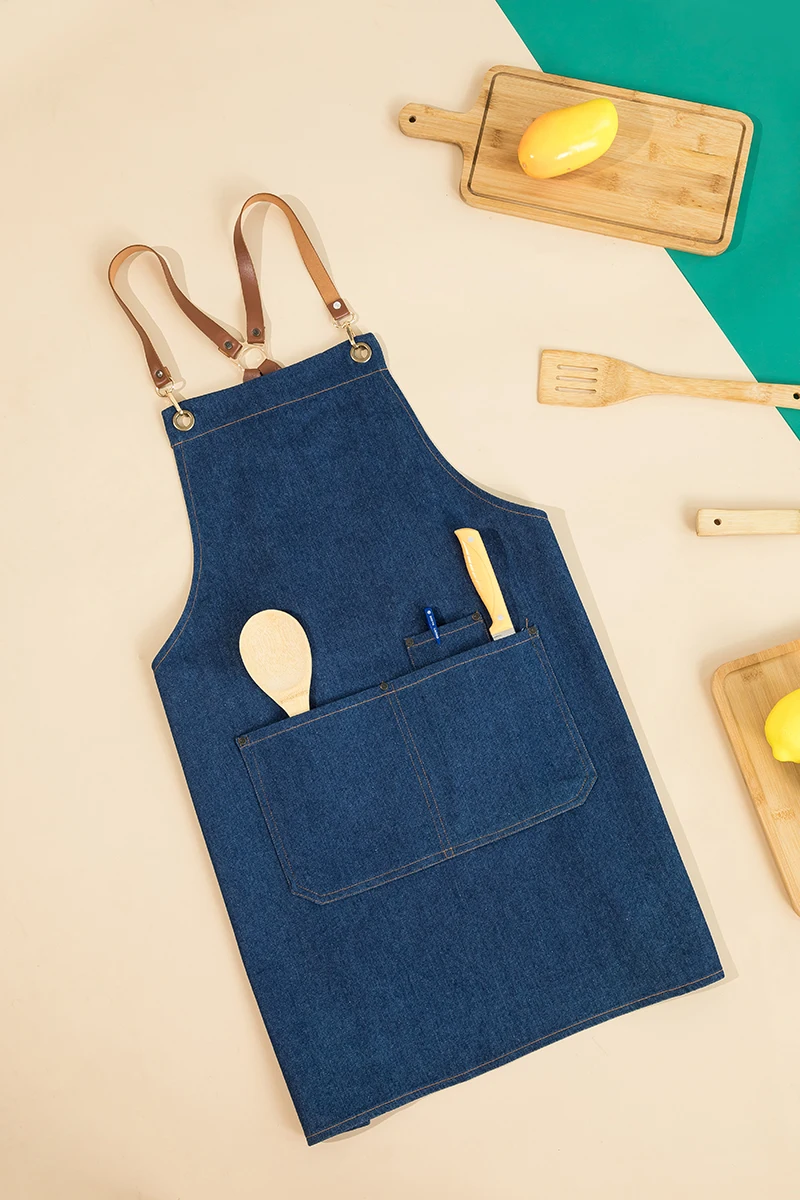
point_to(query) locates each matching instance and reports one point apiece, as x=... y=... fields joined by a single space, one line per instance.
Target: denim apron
x=457 y=856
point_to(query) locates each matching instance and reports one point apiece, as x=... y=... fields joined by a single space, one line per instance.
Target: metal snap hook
x=360 y=352
x=182 y=418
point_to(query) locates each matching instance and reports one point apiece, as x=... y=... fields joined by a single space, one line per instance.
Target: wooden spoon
x=276 y=653
x=595 y=381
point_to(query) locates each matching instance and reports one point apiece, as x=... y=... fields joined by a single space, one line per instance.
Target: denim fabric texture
x=457 y=855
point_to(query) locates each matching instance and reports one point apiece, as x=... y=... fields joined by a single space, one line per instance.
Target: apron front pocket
x=418 y=770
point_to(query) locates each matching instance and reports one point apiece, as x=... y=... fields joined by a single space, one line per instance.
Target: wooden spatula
x=725 y=522
x=595 y=381
x=276 y=653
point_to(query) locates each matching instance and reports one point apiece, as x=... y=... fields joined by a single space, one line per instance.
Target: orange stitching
x=524 y=823
x=416 y=772
x=337 y=891
x=427 y=780
x=438 y=855
x=555 y=688
x=465 y=623
x=174 y=636
x=440 y=461
x=271 y=813
x=457 y=848
x=311 y=720
x=322 y=716
x=489 y=1061
x=283 y=404
x=464 y=663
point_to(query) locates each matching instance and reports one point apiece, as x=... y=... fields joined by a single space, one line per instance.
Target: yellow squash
x=568 y=138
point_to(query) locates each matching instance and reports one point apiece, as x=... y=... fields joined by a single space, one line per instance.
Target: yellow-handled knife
x=485 y=582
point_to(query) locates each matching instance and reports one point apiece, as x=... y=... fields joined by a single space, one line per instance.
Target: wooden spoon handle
x=776 y=395
x=724 y=522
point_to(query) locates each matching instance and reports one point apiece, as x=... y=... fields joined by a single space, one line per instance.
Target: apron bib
x=457 y=855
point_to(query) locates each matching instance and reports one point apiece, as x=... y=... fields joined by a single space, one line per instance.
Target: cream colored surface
x=134 y=1061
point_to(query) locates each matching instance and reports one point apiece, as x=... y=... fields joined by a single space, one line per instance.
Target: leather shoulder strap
x=250 y=290
x=250 y=355
x=224 y=341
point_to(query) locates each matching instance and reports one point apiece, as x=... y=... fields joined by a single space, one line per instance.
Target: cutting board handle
x=440 y=125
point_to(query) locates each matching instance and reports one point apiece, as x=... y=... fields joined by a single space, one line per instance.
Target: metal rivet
x=477 y=616
x=256 y=332
x=183 y=420
x=360 y=352
x=337 y=304
x=241 y=741
x=384 y=687
x=159 y=374
x=228 y=345
x=409 y=641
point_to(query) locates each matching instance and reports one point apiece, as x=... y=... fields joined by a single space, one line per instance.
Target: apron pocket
x=418 y=770
x=456 y=636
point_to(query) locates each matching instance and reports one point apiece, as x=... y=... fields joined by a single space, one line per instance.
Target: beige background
x=134 y=1061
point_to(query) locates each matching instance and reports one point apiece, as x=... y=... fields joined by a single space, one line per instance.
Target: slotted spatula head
x=584 y=380
x=276 y=653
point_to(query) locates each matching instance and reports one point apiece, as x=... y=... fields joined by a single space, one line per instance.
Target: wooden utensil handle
x=440 y=125
x=775 y=395
x=724 y=522
x=481 y=572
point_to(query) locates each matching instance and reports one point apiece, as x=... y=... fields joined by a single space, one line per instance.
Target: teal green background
x=732 y=53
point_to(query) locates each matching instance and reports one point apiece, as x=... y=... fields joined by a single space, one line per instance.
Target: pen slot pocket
x=418 y=770
x=456 y=636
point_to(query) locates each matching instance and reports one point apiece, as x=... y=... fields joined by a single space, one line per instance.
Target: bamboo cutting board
x=672 y=177
x=745 y=690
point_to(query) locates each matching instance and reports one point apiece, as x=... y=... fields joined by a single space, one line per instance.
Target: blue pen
x=431 y=619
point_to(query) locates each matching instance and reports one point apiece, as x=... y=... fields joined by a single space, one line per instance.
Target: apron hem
x=362 y=1119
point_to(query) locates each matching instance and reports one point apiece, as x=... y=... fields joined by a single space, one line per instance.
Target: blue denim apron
x=457 y=855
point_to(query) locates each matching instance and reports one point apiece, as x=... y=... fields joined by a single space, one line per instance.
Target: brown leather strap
x=313 y=264
x=224 y=341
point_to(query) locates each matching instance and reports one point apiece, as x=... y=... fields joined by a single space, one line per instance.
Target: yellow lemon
x=568 y=138
x=782 y=728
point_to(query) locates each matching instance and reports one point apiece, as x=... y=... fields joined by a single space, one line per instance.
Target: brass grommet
x=183 y=420
x=360 y=352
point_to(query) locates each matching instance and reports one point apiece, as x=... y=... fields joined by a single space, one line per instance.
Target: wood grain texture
x=729 y=522
x=581 y=380
x=745 y=691
x=672 y=177
x=275 y=650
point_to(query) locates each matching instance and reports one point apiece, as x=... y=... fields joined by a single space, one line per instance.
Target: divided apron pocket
x=417 y=770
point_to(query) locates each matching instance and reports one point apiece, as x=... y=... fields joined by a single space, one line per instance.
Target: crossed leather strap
x=225 y=342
